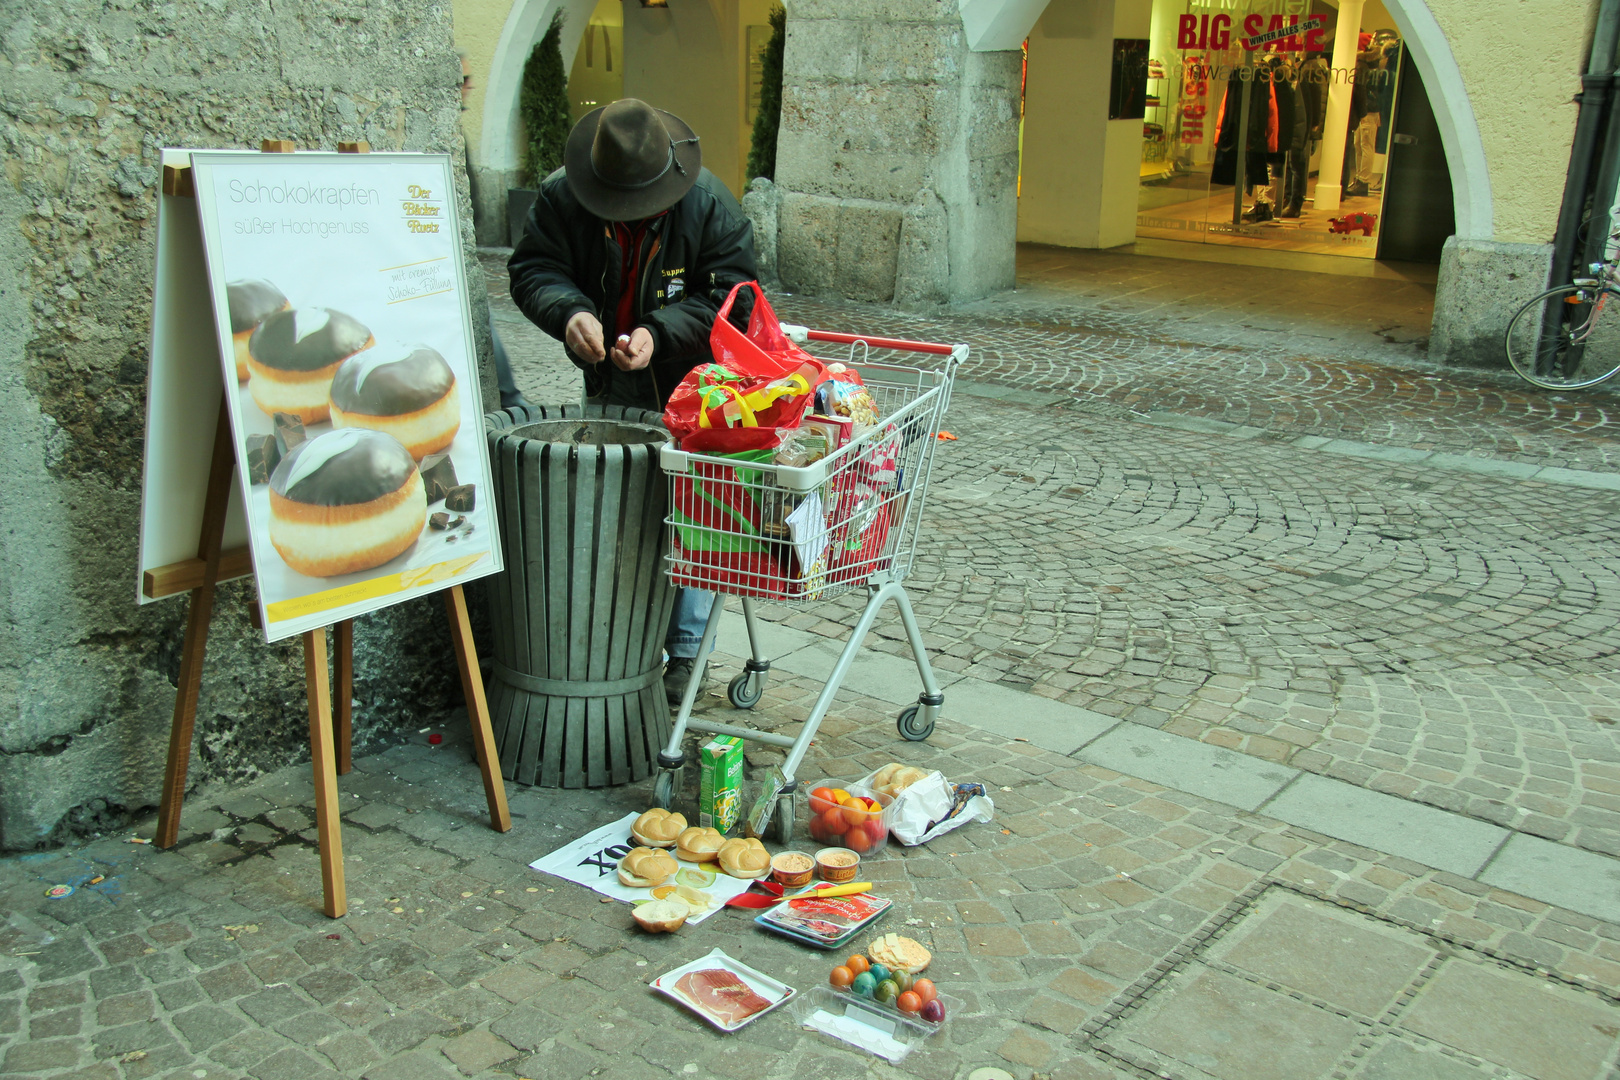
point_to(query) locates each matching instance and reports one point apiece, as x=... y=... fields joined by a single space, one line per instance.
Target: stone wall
x=89 y=94
x=897 y=159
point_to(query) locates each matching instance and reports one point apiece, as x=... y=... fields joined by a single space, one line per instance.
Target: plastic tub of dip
x=792 y=869
x=837 y=864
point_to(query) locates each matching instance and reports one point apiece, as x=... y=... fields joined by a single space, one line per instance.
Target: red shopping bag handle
x=764 y=329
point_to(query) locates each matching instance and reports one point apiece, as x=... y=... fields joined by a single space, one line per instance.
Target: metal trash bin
x=578 y=618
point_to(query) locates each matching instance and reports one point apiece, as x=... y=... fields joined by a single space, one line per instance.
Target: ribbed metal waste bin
x=578 y=618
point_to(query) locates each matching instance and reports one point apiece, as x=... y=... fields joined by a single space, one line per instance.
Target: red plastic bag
x=759 y=382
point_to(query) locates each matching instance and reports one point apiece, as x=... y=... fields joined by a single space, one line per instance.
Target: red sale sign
x=1215 y=32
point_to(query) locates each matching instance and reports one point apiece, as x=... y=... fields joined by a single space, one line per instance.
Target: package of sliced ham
x=726 y=993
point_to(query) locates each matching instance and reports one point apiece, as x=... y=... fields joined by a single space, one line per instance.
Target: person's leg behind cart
x=682 y=639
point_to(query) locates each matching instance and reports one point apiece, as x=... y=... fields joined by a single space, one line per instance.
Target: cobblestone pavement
x=1437 y=633
x=1101 y=928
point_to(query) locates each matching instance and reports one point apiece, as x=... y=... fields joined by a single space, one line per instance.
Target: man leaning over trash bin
x=629 y=252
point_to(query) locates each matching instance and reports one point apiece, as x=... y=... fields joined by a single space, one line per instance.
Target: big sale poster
x=340 y=305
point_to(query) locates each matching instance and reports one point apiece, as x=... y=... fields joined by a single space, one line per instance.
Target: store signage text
x=1215 y=32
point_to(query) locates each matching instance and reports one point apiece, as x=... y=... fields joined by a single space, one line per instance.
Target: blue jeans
x=686 y=622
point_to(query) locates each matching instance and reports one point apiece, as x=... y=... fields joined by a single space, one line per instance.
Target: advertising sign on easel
x=340 y=306
x=317 y=303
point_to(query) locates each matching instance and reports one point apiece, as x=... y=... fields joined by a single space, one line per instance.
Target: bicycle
x=1561 y=340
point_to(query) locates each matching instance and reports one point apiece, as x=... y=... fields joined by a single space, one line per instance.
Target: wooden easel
x=330 y=736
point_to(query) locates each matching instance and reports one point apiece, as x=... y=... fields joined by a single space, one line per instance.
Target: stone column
x=897 y=159
x=1336 y=124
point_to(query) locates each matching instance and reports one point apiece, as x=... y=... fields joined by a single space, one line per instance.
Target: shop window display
x=1215 y=64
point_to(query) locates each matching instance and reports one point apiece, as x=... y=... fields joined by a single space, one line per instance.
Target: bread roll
x=699 y=844
x=744 y=858
x=894 y=778
x=657 y=828
x=646 y=867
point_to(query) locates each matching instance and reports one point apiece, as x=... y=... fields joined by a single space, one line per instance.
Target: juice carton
x=720 y=781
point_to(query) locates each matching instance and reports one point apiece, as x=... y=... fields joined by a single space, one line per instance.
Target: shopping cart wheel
x=910 y=729
x=746 y=690
x=784 y=820
x=664 y=789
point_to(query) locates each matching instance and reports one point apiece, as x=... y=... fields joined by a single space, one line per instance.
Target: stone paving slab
x=1223 y=776
x=1578 y=880
x=1433 y=837
x=1049 y=724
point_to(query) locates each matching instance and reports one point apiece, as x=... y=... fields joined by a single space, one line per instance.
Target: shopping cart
x=803 y=535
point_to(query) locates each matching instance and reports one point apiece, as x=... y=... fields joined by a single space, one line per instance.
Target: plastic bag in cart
x=759 y=382
x=933 y=806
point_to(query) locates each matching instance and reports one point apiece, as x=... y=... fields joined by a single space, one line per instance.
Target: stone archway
x=1002 y=24
x=498 y=161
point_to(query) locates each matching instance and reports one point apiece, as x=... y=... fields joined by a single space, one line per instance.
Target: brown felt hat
x=628 y=160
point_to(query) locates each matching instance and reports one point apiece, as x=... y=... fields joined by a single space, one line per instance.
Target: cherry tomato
x=908 y=1001
x=817 y=833
x=875 y=831
x=821 y=800
x=833 y=823
x=842 y=976
x=858 y=964
x=854 y=813
x=924 y=988
x=857 y=841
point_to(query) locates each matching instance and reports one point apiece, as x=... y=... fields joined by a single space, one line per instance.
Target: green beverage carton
x=720 y=780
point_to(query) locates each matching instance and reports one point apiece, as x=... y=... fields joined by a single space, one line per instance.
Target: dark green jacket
x=568 y=261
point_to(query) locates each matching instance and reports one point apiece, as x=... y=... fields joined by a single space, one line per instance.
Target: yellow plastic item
x=746 y=412
x=847 y=889
x=792 y=386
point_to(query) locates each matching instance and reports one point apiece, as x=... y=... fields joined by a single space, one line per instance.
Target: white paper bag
x=933 y=806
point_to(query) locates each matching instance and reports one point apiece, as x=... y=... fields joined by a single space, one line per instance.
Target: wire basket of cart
x=762 y=528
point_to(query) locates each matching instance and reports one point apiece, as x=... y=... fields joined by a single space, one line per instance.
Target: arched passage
x=1002 y=24
x=692 y=58
x=499 y=146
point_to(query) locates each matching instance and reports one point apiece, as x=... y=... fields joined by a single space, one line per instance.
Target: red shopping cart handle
x=882 y=342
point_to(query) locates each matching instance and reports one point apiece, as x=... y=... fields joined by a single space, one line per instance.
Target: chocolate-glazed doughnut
x=345 y=501
x=250 y=301
x=408 y=391
x=293 y=355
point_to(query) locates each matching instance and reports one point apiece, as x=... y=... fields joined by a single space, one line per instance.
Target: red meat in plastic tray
x=721 y=994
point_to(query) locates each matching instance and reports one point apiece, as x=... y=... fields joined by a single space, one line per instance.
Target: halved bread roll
x=660 y=916
x=899 y=953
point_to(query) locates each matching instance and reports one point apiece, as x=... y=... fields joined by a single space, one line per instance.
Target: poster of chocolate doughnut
x=340 y=303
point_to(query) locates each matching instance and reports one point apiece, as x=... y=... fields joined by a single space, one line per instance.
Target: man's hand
x=584 y=336
x=634 y=355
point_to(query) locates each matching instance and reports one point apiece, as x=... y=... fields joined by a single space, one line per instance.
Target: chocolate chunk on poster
x=438 y=521
x=289 y=430
x=460 y=499
x=438 y=476
x=262 y=457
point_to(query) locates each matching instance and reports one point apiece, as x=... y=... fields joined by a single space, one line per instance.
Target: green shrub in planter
x=543 y=103
x=762 y=149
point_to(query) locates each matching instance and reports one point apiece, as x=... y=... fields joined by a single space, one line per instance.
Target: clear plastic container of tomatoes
x=838 y=814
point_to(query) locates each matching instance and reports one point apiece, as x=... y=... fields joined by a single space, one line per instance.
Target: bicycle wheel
x=1566 y=338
